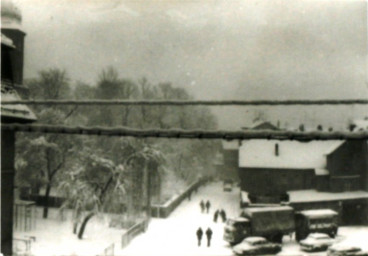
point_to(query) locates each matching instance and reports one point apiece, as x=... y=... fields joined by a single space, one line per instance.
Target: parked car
x=316 y=242
x=228 y=185
x=256 y=246
x=345 y=250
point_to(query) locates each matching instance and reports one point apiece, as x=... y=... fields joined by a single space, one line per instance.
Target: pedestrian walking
x=202 y=205
x=208 y=205
x=223 y=215
x=209 y=236
x=199 y=234
x=215 y=216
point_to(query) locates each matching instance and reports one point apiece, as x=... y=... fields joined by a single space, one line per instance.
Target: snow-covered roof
x=268 y=209
x=360 y=125
x=321 y=172
x=254 y=239
x=298 y=196
x=230 y=144
x=291 y=154
x=318 y=235
x=259 y=124
x=20 y=112
x=319 y=213
x=7 y=41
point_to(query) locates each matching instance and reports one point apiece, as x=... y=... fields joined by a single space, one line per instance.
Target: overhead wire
x=187 y=134
x=190 y=102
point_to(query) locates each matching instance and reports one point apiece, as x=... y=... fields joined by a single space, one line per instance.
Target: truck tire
x=332 y=234
x=297 y=236
x=278 y=238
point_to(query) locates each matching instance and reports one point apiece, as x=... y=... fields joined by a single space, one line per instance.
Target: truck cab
x=316 y=221
x=236 y=229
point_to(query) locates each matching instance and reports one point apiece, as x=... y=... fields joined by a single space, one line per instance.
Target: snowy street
x=172 y=236
x=176 y=234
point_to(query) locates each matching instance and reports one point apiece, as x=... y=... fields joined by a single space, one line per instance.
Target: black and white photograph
x=184 y=127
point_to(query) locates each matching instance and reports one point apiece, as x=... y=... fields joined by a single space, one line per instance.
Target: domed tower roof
x=11 y=17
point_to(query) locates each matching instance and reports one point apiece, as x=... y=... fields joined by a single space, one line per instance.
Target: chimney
x=276 y=149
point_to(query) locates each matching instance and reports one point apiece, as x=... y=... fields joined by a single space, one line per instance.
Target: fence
x=22 y=246
x=40 y=200
x=132 y=232
x=163 y=211
x=24 y=215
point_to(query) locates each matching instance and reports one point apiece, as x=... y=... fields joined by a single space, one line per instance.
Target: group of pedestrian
x=208 y=235
x=205 y=207
x=220 y=212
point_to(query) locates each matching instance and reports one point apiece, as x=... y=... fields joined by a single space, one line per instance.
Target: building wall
x=268 y=181
x=17 y=55
x=231 y=165
x=7 y=190
x=350 y=159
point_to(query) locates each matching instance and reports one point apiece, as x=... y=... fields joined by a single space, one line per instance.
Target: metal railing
x=132 y=232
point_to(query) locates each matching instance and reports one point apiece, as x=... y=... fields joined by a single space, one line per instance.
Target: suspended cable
x=187 y=134
x=188 y=102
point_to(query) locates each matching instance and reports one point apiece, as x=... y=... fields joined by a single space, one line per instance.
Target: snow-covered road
x=176 y=234
x=172 y=236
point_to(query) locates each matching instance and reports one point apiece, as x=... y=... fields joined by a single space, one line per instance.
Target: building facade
x=272 y=166
x=12 y=54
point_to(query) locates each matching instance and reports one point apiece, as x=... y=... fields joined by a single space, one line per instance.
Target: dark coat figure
x=199 y=235
x=208 y=205
x=202 y=206
x=223 y=215
x=215 y=216
x=209 y=236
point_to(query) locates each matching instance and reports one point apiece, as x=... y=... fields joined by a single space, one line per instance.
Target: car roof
x=319 y=213
x=253 y=239
x=318 y=235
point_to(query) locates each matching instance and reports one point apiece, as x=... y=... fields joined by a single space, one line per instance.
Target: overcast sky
x=216 y=48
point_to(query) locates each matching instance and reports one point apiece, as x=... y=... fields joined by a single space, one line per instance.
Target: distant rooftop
x=360 y=125
x=291 y=154
x=261 y=125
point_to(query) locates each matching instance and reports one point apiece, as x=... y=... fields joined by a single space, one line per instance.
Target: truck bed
x=267 y=220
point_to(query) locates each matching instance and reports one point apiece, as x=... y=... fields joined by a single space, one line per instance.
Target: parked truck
x=313 y=221
x=269 y=222
x=274 y=222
